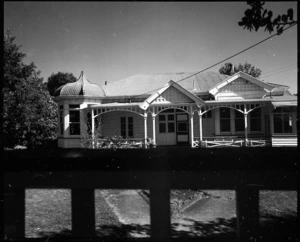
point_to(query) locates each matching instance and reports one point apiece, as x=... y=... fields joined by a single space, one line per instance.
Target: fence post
x=160 y=208
x=83 y=212
x=247 y=212
x=14 y=213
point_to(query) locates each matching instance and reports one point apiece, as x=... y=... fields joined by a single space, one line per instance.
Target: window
x=255 y=120
x=74 y=120
x=61 y=119
x=127 y=127
x=207 y=114
x=225 y=120
x=72 y=106
x=130 y=127
x=166 y=123
x=239 y=121
x=282 y=121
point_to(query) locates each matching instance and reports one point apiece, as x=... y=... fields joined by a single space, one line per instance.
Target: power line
x=228 y=57
x=279 y=70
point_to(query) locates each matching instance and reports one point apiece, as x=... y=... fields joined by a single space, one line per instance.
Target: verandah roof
x=285 y=104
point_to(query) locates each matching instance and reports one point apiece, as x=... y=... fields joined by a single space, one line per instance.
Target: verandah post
x=93 y=129
x=200 y=125
x=192 y=129
x=154 y=135
x=145 y=128
x=246 y=125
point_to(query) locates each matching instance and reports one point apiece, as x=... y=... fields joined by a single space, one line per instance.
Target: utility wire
x=228 y=57
x=279 y=70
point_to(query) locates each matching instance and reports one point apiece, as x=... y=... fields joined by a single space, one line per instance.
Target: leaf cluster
x=29 y=113
x=57 y=80
x=257 y=17
x=229 y=69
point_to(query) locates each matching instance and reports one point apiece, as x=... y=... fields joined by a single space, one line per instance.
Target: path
x=202 y=216
x=130 y=208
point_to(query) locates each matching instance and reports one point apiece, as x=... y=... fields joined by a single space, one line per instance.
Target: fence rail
x=197 y=171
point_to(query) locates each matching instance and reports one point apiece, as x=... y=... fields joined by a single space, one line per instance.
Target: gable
x=240 y=89
x=172 y=95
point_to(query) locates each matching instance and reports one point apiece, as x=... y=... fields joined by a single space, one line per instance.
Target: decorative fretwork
x=243 y=108
x=186 y=108
x=137 y=110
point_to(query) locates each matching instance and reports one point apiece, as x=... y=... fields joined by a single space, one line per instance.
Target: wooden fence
x=247 y=170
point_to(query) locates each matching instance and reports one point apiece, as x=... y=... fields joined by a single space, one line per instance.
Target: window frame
x=225 y=119
x=61 y=120
x=74 y=108
x=252 y=119
x=166 y=122
x=240 y=119
x=127 y=127
x=282 y=114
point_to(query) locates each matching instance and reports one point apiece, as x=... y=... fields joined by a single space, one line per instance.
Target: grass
x=48 y=212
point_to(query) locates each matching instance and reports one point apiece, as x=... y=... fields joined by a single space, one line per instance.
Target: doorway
x=182 y=129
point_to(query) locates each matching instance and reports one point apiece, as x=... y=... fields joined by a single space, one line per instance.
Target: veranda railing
x=158 y=170
x=230 y=141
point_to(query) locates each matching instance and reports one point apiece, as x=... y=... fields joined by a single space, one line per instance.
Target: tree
x=59 y=79
x=257 y=16
x=29 y=113
x=229 y=69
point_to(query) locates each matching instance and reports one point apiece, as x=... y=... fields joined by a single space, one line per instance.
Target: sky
x=111 y=41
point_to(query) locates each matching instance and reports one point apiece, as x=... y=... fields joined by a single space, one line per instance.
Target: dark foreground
x=247 y=171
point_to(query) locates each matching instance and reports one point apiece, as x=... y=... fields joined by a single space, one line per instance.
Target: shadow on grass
x=272 y=229
x=220 y=227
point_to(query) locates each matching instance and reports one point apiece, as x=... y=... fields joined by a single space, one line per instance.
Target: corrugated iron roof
x=150 y=83
x=82 y=87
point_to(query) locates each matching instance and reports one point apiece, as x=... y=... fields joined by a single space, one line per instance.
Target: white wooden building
x=205 y=109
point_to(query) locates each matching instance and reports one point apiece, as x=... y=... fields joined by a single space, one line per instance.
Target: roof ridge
x=120 y=80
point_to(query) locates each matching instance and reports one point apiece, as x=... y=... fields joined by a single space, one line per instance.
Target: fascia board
x=245 y=76
x=256 y=81
x=150 y=99
x=216 y=88
x=188 y=94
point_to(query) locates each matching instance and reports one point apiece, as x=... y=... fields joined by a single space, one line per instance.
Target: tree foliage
x=59 y=79
x=257 y=17
x=229 y=69
x=29 y=113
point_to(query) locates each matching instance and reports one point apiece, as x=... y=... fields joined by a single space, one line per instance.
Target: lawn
x=48 y=212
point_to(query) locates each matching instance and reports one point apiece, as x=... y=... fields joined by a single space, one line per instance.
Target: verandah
x=191 y=109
